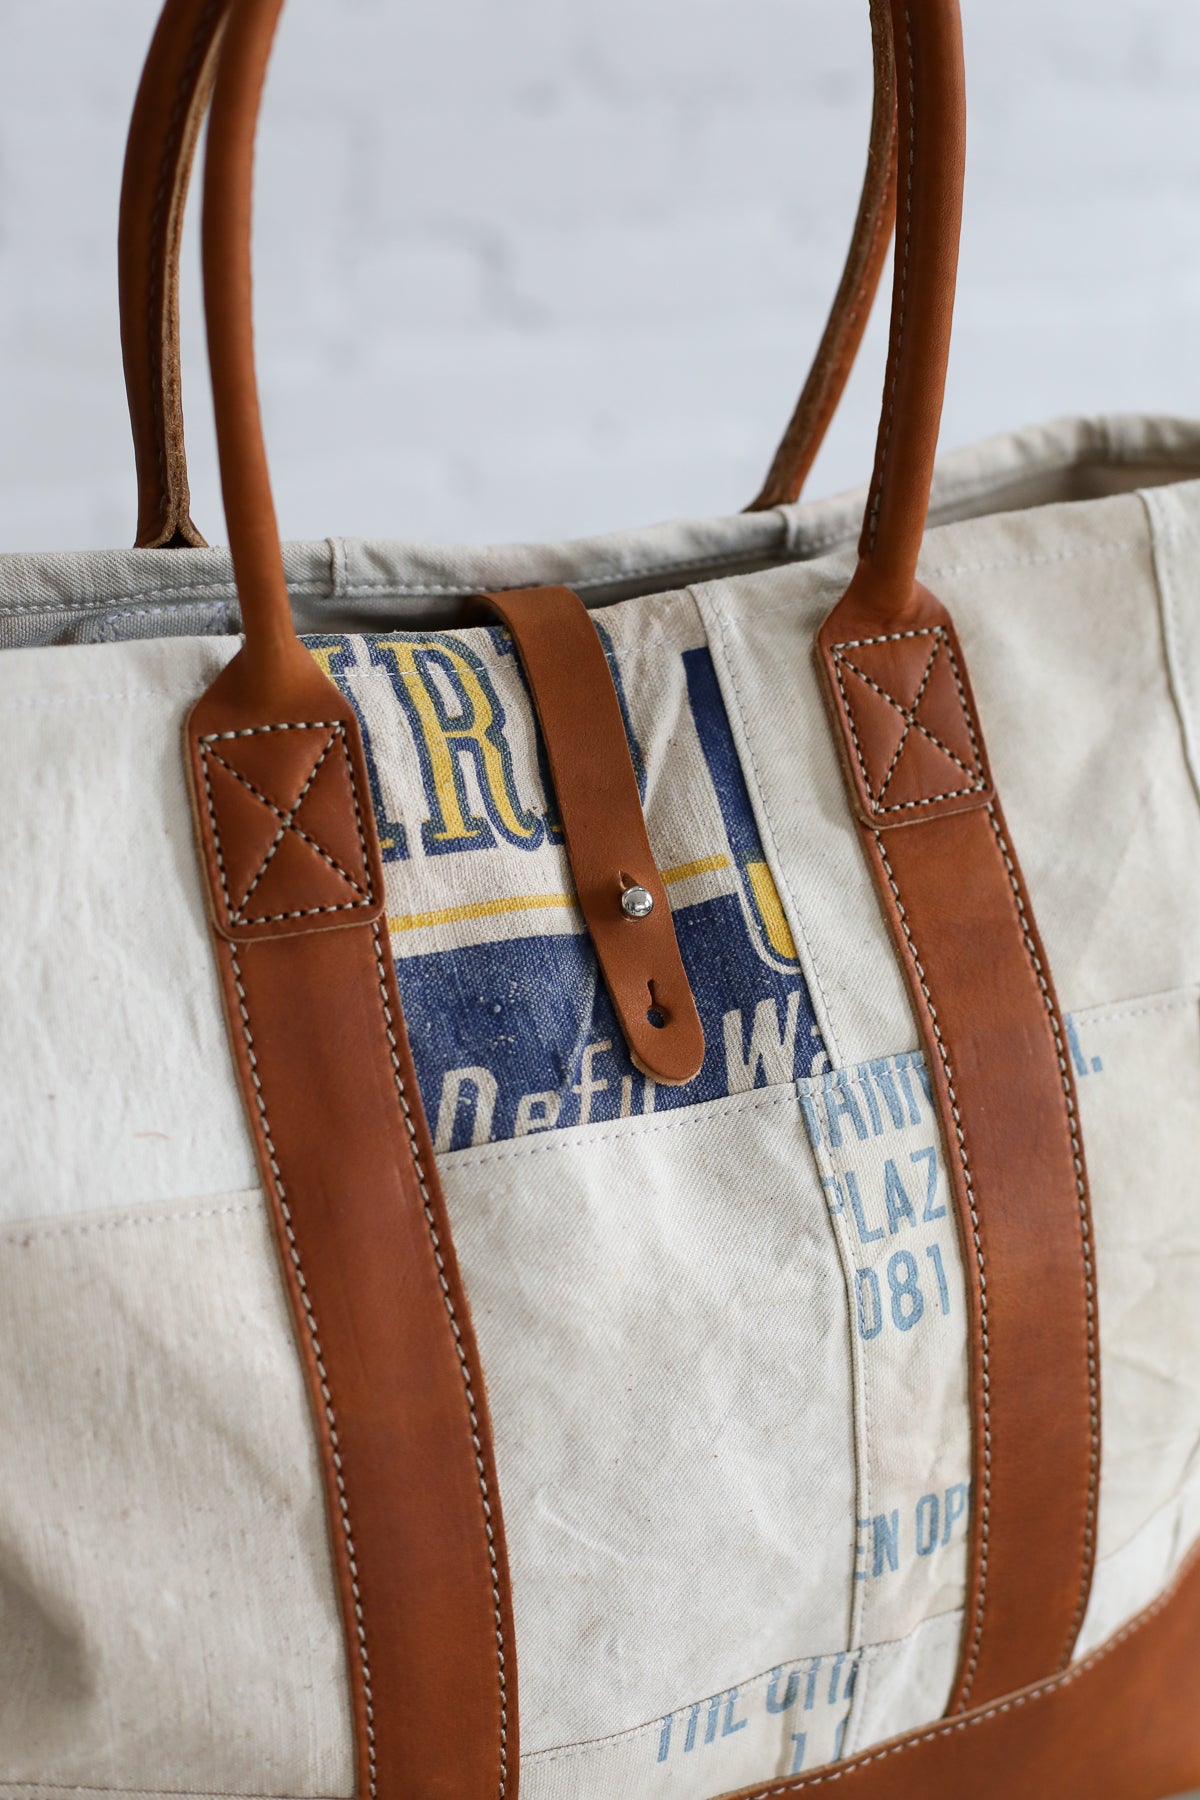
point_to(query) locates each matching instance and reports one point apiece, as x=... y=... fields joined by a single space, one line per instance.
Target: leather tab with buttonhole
x=605 y=829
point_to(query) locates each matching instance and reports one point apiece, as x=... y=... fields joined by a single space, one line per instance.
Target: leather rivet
x=637 y=902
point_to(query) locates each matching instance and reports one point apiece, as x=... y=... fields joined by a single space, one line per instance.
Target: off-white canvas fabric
x=723 y=1331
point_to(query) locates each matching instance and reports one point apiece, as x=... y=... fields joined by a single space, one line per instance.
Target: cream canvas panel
x=168 y=1617
x=1058 y=611
x=113 y=1017
x=877 y=1144
x=603 y=1500
x=152 y=1101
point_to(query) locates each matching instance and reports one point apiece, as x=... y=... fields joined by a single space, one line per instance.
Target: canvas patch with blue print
x=511 y=1027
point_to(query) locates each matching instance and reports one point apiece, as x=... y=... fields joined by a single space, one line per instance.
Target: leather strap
x=951 y=888
x=171 y=101
x=170 y=104
x=1121 y=1725
x=295 y=892
x=851 y=309
x=605 y=828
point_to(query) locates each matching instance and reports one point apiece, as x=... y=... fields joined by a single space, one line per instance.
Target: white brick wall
x=536 y=267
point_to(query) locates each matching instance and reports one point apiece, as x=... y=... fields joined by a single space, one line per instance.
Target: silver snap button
x=637 y=902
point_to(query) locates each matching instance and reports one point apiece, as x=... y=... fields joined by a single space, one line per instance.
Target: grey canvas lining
x=341 y=584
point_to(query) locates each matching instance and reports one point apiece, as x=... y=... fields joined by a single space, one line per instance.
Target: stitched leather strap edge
x=961 y=919
x=381 y=1318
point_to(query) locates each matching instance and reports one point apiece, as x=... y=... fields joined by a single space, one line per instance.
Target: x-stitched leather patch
x=912 y=729
x=285 y=824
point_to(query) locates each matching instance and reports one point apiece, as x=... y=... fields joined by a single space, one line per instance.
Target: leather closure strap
x=951 y=888
x=605 y=829
x=294 y=881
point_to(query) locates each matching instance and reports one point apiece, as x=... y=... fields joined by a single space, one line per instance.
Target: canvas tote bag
x=598 y=1202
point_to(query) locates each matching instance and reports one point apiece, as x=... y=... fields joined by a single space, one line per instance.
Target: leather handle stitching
x=306 y=912
x=977 y=786
x=288 y=823
x=448 y=1300
x=908 y=714
x=980 y=1593
x=911 y=722
x=156 y=287
x=335 y=1461
x=902 y=297
x=1089 y=1278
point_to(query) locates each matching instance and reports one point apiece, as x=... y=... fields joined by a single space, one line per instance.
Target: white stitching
x=326 y=1396
x=1089 y=1281
x=20 y=1239
x=979 y=1597
x=977 y=786
x=930 y=1733
x=288 y=823
x=908 y=715
x=448 y=1299
x=337 y=726
x=699 y=1113
x=1101 y=1015
x=902 y=297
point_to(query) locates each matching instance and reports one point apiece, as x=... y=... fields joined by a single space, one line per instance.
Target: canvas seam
x=1085 y=1226
x=224 y=589
x=928 y=1734
x=1101 y=1015
x=326 y=1396
x=19 y=1239
x=556 y=1141
x=979 y=1598
x=780 y=865
x=464 y=1366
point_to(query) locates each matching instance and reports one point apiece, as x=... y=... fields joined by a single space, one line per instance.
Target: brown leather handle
x=171 y=100
x=272 y=646
x=927 y=44
x=852 y=303
x=931 y=90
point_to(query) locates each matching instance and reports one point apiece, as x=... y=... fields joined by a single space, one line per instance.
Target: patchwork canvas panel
x=875 y=1136
x=511 y=1026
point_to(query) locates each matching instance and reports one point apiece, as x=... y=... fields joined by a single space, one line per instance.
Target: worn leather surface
x=927 y=36
x=605 y=829
x=1124 y=1724
x=852 y=303
x=292 y=871
x=171 y=101
x=170 y=105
